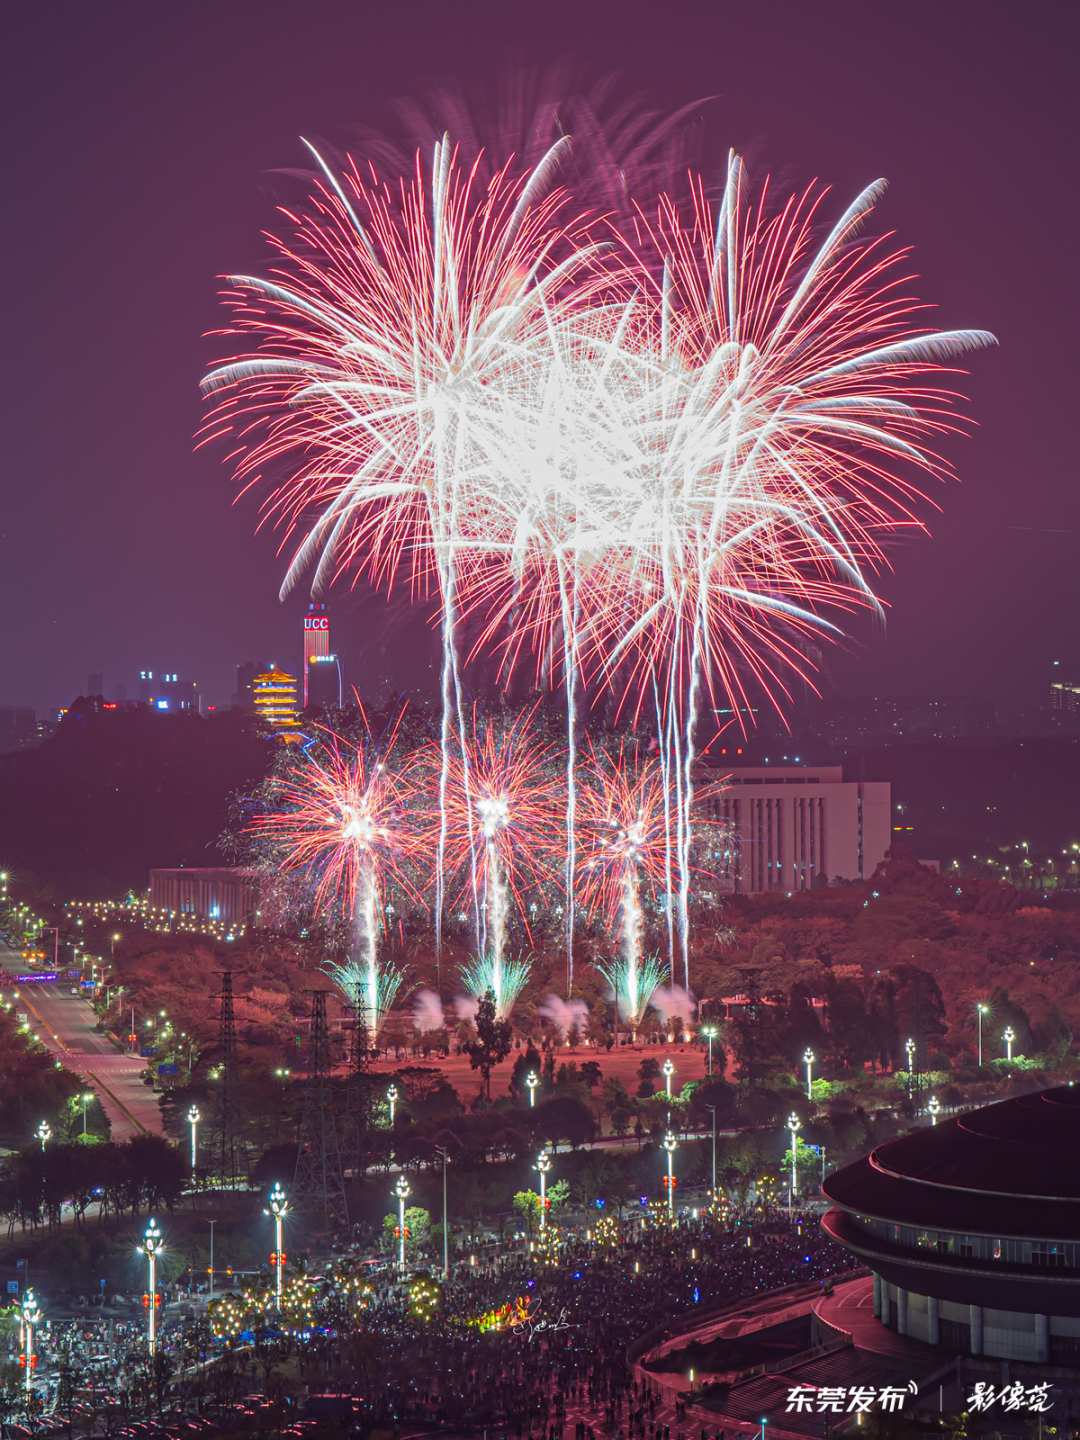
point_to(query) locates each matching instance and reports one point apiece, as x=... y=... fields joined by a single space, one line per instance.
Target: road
x=65 y=1023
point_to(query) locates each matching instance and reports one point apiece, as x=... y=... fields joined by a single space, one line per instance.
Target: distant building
x=18 y=728
x=94 y=685
x=165 y=691
x=322 y=669
x=275 y=702
x=794 y=828
x=246 y=675
x=228 y=895
x=883 y=718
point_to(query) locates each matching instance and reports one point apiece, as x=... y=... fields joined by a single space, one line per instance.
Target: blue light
x=697 y=1297
x=162 y=704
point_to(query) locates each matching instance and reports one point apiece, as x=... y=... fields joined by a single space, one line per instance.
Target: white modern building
x=792 y=826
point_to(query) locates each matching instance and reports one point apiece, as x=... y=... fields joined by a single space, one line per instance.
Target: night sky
x=139 y=142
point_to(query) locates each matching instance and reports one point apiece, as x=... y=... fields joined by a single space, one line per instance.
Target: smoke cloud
x=564 y=1015
x=428 y=1012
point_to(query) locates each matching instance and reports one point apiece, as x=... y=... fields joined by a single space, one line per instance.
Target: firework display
x=649 y=456
x=338 y=815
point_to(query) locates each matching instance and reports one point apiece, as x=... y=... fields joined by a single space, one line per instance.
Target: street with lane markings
x=66 y=1024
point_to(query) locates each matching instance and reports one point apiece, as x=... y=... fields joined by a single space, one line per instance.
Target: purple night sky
x=139 y=143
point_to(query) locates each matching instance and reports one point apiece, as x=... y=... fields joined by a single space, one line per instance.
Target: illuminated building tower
x=275 y=702
x=322 y=672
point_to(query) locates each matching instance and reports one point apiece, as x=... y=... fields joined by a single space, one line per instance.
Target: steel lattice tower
x=319 y=1184
x=227 y=1142
x=356 y=1095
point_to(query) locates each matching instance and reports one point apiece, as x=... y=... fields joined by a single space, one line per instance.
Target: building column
x=975 y=1313
x=901 y=1311
x=877 y=1297
x=933 y=1329
x=1042 y=1339
x=884 y=1302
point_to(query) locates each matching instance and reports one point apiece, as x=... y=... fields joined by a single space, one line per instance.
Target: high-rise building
x=18 y=728
x=246 y=675
x=165 y=691
x=322 y=669
x=275 y=702
x=94 y=685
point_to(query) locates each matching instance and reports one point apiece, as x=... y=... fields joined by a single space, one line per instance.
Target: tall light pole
x=794 y=1124
x=401 y=1190
x=279 y=1208
x=982 y=1011
x=85 y=1097
x=532 y=1080
x=211 y=1223
x=44 y=1133
x=808 y=1061
x=31 y=1314
x=670 y=1145
x=709 y=1031
x=543 y=1164
x=392 y=1097
x=909 y=1047
x=193 y=1118
x=713 y=1109
x=934 y=1107
x=152 y=1246
x=669 y=1070
x=1009 y=1035
x=445 y=1230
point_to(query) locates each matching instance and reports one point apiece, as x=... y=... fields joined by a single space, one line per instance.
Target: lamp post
x=44 y=1133
x=85 y=1097
x=193 y=1118
x=709 y=1031
x=670 y=1145
x=712 y=1108
x=532 y=1080
x=1008 y=1035
x=401 y=1190
x=669 y=1070
x=392 y=1097
x=543 y=1164
x=909 y=1047
x=794 y=1124
x=279 y=1208
x=445 y=1230
x=210 y=1268
x=31 y=1314
x=981 y=1011
x=808 y=1061
x=934 y=1107
x=153 y=1247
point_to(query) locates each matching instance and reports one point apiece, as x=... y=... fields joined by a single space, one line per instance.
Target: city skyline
x=143 y=570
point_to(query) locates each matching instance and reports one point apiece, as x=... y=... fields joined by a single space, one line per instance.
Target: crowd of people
x=521 y=1344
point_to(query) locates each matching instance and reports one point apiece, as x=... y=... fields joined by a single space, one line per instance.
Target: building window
x=1048 y=1255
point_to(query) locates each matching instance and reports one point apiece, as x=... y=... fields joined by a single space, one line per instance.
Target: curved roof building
x=972 y=1228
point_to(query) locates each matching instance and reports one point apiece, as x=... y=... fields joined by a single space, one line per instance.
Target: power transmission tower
x=356 y=1094
x=227 y=1141
x=319 y=1184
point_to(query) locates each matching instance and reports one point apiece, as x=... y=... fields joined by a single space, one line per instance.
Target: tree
x=565 y=1117
x=494 y=1040
x=417 y=1232
x=527 y=1204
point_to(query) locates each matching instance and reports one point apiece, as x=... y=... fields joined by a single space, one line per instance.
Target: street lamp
x=31 y=1314
x=193 y=1118
x=934 y=1107
x=392 y=1096
x=909 y=1046
x=543 y=1164
x=709 y=1031
x=85 y=1097
x=670 y=1144
x=445 y=1230
x=532 y=1080
x=152 y=1246
x=279 y=1208
x=1009 y=1035
x=982 y=1009
x=401 y=1190
x=669 y=1069
x=43 y=1133
x=794 y=1124
x=808 y=1061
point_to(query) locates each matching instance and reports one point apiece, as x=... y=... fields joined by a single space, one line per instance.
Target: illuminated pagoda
x=274 y=695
